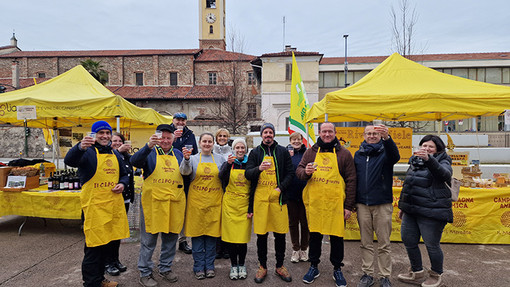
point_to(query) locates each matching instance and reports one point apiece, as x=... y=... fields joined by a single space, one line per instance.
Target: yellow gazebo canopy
x=402 y=90
x=73 y=99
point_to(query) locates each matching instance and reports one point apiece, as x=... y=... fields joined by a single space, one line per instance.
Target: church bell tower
x=212 y=24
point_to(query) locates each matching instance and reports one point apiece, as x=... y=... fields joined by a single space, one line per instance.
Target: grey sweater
x=189 y=167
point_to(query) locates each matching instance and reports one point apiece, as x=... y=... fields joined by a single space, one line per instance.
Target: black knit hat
x=267 y=126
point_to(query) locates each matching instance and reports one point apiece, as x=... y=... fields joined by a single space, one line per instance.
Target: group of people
x=214 y=193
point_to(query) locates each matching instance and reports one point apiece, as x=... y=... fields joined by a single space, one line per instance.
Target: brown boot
x=434 y=280
x=108 y=283
x=412 y=277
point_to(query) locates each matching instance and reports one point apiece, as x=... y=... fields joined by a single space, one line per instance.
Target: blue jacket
x=86 y=162
x=187 y=138
x=374 y=170
x=297 y=185
x=145 y=158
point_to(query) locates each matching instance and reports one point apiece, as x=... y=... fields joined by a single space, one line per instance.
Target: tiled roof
x=425 y=57
x=23 y=83
x=216 y=55
x=100 y=53
x=7 y=47
x=289 y=53
x=171 y=93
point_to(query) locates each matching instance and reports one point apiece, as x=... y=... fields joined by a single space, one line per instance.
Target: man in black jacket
x=374 y=201
x=270 y=170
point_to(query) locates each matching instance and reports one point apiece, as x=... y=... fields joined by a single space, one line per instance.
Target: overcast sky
x=443 y=26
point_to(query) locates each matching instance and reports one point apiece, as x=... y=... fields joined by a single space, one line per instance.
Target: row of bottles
x=68 y=179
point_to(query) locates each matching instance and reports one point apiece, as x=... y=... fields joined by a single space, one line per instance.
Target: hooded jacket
x=374 y=171
x=424 y=192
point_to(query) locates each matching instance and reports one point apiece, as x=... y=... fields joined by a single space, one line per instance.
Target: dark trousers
x=279 y=248
x=237 y=251
x=337 y=250
x=112 y=255
x=297 y=218
x=92 y=267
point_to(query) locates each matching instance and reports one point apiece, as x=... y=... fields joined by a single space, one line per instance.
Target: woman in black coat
x=425 y=208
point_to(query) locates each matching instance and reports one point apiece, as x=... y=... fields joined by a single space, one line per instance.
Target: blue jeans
x=413 y=227
x=204 y=252
x=148 y=244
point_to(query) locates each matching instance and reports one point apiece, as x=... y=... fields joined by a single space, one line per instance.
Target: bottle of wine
x=50 y=182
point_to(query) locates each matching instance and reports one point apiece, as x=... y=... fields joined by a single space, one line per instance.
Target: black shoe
x=120 y=266
x=184 y=247
x=112 y=270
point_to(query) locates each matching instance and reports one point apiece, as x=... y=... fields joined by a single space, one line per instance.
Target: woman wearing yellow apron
x=235 y=219
x=330 y=173
x=163 y=204
x=103 y=181
x=270 y=170
x=203 y=210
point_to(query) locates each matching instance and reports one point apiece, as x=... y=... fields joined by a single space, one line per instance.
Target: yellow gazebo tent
x=73 y=99
x=402 y=90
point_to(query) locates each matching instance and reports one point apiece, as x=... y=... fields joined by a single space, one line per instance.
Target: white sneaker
x=295 y=256
x=303 y=255
x=242 y=272
x=234 y=273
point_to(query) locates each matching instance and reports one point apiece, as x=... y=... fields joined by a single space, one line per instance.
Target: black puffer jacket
x=424 y=192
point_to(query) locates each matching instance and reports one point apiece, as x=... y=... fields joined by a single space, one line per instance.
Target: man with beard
x=103 y=178
x=270 y=170
x=329 y=198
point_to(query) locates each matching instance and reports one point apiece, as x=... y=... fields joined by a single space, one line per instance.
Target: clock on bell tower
x=212 y=24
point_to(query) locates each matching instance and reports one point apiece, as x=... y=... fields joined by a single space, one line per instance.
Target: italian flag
x=299 y=106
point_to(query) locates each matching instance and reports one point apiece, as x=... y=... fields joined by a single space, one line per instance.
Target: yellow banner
x=59 y=204
x=352 y=137
x=481 y=216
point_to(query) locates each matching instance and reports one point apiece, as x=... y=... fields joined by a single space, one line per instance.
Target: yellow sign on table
x=352 y=137
x=57 y=204
x=481 y=216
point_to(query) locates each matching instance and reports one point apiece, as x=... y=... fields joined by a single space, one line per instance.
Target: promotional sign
x=352 y=137
x=480 y=216
x=26 y=113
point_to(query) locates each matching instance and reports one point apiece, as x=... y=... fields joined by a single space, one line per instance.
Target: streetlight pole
x=346 y=69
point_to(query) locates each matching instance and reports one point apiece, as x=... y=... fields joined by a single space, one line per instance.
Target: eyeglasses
x=372 y=134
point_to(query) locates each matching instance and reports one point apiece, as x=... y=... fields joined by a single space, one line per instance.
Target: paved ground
x=51 y=254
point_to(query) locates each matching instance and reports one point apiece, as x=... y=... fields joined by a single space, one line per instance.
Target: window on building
x=493 y=75
x=173 y=78
x=288 y=72
x=251 y=78
x=211 y=29
x=211 y=4
x=139 y=79
x=41 y=75
x=212 y=78
x=252 y=111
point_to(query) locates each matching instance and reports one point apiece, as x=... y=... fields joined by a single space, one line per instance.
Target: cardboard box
x=4 y=172
x=30 y=183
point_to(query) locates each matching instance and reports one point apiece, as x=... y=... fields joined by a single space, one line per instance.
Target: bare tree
x=403 y=23
x=233 y=111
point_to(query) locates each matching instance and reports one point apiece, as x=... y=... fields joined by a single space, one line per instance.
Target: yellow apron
x=235 y=226
x=203 y=211
x=324 y=196
x=163 y=198
x=268 y=214
x=105 y=214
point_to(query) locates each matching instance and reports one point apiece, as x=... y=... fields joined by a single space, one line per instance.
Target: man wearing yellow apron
x=329 y=198
x=270 y=170
x=163 y=204
x=103 y=179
